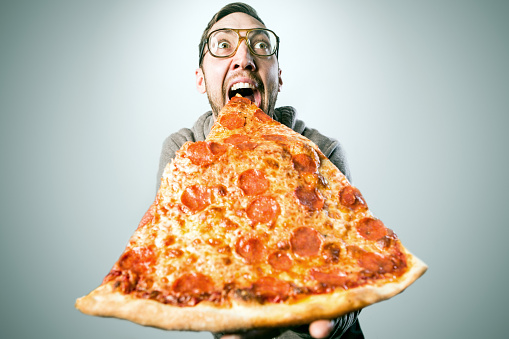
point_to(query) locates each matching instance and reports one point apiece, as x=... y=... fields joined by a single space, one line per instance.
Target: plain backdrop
x=416 y=91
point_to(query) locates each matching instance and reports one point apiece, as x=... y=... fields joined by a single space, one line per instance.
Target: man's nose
x=243 y=59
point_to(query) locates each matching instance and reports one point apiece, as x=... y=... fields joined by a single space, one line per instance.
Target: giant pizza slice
x=253 y=227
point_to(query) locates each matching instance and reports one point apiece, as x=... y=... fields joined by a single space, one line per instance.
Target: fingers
x=321 y=328
x=318 y=329
x=262 y=334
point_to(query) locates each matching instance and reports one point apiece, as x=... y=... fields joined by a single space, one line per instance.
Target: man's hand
x=317 y=329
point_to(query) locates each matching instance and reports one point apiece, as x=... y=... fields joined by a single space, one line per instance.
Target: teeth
x=240 y=85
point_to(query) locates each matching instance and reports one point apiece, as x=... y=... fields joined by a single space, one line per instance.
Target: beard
x=217 y=102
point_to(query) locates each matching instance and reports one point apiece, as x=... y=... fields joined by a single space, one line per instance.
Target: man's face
x=219 y=77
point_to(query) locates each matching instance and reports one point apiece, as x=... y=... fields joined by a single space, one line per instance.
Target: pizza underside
x=253 y=227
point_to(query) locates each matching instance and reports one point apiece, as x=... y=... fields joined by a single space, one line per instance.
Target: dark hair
x=235 y=7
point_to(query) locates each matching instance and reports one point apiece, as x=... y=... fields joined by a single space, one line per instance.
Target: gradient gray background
x=417 y=92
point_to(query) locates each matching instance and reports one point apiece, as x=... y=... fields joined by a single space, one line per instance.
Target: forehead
x=237 y=20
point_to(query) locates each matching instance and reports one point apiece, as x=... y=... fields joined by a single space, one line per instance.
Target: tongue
x=250 y=97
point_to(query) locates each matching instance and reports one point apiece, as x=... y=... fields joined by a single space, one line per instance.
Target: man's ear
x=280 y=79
x=200 y=81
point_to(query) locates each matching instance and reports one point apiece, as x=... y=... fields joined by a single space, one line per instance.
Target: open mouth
x=247 y=90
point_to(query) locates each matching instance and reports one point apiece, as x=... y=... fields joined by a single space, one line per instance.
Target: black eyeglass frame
x=206 y=43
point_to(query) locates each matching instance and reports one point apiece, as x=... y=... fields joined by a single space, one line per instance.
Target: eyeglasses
x=224 y=42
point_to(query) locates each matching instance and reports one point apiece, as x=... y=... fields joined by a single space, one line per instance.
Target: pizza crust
x=106 y=302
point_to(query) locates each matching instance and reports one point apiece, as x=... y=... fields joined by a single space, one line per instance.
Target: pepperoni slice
x=216 y=148
x=351 y=198
x=196 y=198
x=232 y=121
x=306 y=241
x=329 y=279
x=371 y=229
x=199 y=153
x=241 y=141
x=253 y=182
x=375 y=263
x=390 y=240
x=280 y=261
x=236 y=139
x=251 y=249
x=137 y=260
x=309 y=197
x=275 y=137
x=263 y=210
x=271 y=289
x=193 y=284
x=247 y=146
x=203 y=153
x=260 y=115
x=304 y=163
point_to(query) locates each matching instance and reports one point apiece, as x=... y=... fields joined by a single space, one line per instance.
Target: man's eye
x=261 y=45
x=223 y=45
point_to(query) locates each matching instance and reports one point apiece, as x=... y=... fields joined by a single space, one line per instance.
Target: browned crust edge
x=103 y=301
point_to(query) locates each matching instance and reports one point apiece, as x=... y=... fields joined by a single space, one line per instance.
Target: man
x=239 y=55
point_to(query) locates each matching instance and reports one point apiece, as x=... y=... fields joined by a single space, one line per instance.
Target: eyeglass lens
x=223 y=43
